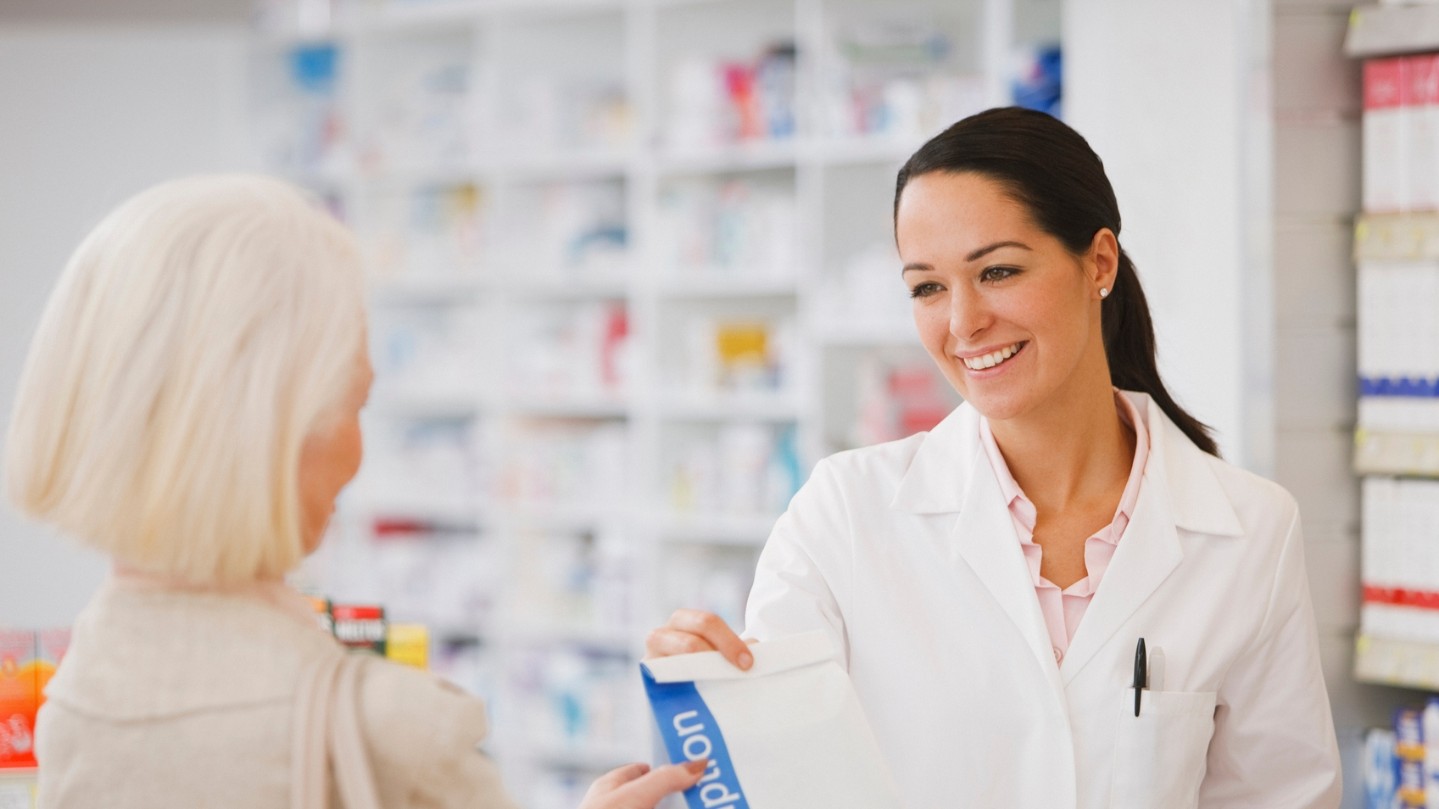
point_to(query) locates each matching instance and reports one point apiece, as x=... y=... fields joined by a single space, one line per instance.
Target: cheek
x=931 y=321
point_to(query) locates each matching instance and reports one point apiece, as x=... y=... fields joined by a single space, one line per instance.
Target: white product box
x=1385 y=184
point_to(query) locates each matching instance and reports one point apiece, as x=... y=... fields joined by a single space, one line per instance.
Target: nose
x=967 y=314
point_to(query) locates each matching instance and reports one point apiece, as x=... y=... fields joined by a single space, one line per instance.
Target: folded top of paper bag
x=770 y=657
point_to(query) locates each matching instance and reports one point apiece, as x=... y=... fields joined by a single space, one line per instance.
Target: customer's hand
x=635 y=786
x=695 y=631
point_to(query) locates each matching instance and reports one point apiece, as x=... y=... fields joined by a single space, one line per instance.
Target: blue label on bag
x=692 y=734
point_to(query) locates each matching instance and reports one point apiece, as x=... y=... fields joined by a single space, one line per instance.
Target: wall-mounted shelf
x=1396 y=454
x=1399 y=663
x=1383 y=30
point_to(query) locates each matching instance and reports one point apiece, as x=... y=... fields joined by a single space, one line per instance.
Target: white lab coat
x=906 y=554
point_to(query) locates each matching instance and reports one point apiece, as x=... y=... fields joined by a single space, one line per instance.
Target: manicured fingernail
x=697 y=766
x=745 y=660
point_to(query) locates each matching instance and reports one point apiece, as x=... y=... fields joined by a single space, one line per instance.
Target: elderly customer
x=190 y=406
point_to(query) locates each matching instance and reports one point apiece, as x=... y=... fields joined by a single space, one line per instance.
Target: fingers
x=647 y=790
x=696 y=631
x=616 y=778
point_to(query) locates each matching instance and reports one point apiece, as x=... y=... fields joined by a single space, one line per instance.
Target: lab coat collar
x=950 y=473
x=1179 y=474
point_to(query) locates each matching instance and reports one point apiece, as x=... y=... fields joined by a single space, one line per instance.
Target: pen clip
x=1141 y=674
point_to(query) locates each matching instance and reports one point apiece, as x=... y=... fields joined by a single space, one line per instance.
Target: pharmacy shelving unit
x=1397 y=438
x=614 y=320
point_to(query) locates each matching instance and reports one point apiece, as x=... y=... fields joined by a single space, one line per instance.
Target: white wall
x=1231 y=131
x=1159 y=90
x=91 y=114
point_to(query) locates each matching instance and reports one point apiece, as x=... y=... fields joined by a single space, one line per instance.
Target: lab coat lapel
x=951 y=473
x=1147 y=554
x=984 y=538
x=1179 y=492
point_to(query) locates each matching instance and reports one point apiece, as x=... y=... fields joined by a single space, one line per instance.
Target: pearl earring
x=1104 y=292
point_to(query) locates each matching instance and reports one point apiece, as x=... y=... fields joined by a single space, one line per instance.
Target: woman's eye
x=924 y=290
x=992 y=274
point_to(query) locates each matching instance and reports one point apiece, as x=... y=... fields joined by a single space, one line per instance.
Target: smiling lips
x=990 y=360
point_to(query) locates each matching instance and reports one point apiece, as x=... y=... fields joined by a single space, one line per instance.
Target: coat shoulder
x=884 y=463
x=1264 y=508
x=427 y=732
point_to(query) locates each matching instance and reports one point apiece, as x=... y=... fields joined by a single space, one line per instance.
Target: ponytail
x=1050 y=169
x=1129 y=346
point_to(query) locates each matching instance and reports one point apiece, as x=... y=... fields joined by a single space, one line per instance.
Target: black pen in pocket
x=1141 y=674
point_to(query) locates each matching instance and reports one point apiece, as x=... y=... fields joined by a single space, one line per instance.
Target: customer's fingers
x=647 y=790
x=616 y=778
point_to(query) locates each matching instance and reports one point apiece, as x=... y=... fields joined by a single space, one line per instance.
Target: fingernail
x=745 y=660
x=697 y=766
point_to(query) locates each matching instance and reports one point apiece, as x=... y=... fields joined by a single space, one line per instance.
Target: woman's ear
x=1102 y=262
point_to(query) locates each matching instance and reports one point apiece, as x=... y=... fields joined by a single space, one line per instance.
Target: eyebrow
x=974 y=256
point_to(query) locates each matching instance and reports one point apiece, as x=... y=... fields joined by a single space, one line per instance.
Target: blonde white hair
x=197 y=336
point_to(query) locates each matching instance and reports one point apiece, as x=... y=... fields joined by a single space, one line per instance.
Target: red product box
x=360 y=626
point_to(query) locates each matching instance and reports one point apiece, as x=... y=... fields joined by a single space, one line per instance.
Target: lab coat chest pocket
x=1159 y=756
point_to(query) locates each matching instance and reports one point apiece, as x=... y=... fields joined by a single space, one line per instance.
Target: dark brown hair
x=1050 y=169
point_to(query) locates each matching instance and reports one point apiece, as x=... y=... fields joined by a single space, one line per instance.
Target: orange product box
x=321 y=606
x=19 y=698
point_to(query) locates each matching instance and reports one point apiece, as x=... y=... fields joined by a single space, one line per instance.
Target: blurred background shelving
x=633 y=273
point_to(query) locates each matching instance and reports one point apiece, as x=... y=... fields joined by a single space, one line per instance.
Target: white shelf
x=448 y=407
x=1412 y=454
x=618 y=641
x=570 y=165
x=851 y=151
x=699 y=284
x=864 y=336
x=1397 y=237
x=17 y=787
x=558 y=518
x=760 y=155
x=567 y=407
x=729 y=407
x=413 y=288
x=588 y=757
x=573 y=287
x=1398 y=663
x=719 y=529
x=1381 y=30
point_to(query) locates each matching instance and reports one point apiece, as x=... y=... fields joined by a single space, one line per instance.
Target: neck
x=1072 y=452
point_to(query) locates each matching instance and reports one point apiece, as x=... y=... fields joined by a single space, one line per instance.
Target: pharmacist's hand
x=636 y=786
x=695 y=631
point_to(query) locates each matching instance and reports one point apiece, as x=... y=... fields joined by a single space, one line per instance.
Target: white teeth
x=992 y=359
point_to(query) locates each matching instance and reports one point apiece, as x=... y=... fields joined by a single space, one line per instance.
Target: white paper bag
x=787 y=734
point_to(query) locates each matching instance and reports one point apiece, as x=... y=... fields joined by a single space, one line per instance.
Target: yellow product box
x=19 y=698
x=408 y=644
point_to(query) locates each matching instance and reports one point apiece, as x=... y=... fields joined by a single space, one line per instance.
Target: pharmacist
x=987 y=584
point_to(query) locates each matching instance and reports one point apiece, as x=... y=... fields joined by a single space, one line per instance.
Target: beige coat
x=185 y=699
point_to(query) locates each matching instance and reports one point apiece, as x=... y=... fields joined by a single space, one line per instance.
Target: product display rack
x=1397 y=438
x=653 y=491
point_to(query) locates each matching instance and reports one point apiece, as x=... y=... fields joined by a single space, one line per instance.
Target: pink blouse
x=1063 y=609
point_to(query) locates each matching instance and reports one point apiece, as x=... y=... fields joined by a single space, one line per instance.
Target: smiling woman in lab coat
x=986 y=584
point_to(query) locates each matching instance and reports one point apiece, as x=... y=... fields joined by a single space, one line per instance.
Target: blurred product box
x=408 y=644
x=1384 y=135
x=360 y=626
x=28 y=660
x=19 y=698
